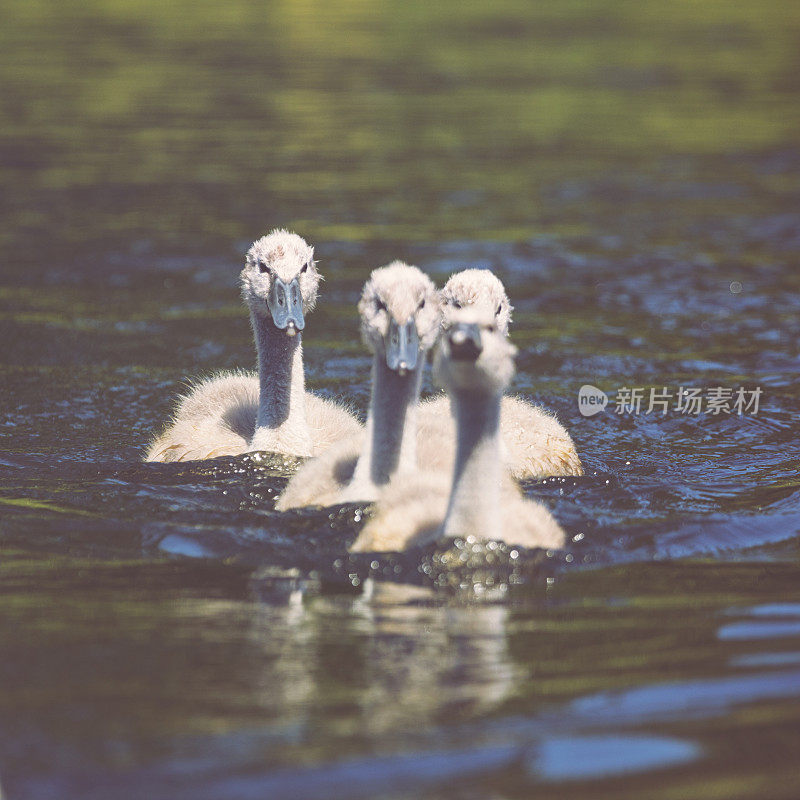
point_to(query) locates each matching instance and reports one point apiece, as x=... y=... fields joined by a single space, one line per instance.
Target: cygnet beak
x=285 y=302
x=402 y=346
x=465 y=342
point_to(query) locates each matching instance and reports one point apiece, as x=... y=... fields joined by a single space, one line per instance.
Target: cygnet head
x=477 y=287
x=280 y=280
x=400 y=315
x=473 y=355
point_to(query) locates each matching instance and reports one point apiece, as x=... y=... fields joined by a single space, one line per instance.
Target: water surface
x=631 y=171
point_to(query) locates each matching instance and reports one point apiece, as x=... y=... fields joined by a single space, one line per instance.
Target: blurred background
x=629 y=168
x=194 y=126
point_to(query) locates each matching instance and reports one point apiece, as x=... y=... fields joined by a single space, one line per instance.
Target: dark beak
x=402 y=346
x=285 y=302
x=465 y=342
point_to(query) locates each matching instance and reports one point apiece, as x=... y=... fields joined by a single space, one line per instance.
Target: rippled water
x=631 y=172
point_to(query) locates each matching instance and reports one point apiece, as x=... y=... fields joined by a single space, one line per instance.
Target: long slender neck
x=474 y=504
x=281 y=420
x=390 y=444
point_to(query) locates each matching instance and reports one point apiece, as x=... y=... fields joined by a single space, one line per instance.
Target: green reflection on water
x=120 y=662
x=360 y=120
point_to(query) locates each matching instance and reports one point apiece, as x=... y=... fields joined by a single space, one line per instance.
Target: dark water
x=630 y=170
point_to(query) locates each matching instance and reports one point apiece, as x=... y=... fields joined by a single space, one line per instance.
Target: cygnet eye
x=379 y=304
x=456 y=304
x=421 y=304
x=499 y=309
x=304 y=268
x=262 y=267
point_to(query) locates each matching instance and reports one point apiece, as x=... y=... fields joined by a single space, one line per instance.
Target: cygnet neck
x=281 y=420
x=390 y=444
x=474 y=505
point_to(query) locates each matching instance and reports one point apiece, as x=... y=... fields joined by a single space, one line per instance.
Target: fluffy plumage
x=478 y=498
x=476 y=287
x=535 y=444
x=234 y=413
x=218 y=418
x=412 y=510
x=400 y=319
